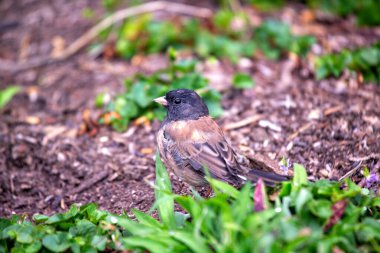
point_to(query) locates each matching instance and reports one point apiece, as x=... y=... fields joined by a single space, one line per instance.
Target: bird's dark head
x=183 y=104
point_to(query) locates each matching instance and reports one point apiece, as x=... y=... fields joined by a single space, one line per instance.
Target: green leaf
x=302 y=198
x=223 y=19
x=162 y=192
x=146 y=219
x=196 y=244
x=215 y=108
x=40 y=218
x=181 y=218
x=101 y=99
x=7 y=94
x=300 y=175
x=99 y=242
x=223 y=187
x=58 y=242
x=144 y=243
x=139 y=94
x=190 y=205
x=242 y=81
x=320 y=208
x=23 y=233
x=172 y=54
x=84 y=227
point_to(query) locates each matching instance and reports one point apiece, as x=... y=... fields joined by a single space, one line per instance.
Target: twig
x=91 y=34
x=364 y=158
x=300 y=130
x=87 y=184
x=242 y=123
x=333 y=110
x=351 y=172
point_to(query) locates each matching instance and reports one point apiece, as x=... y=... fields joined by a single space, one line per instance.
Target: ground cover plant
x=365 y=11
x=301 y=216
x=228 y=35
x=365 y=62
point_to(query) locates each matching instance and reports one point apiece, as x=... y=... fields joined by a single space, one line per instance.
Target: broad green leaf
x=84 y=227
x=99 y=242
x=58 y=242
x=320 y=208
x=23 y=233
x=139 y=96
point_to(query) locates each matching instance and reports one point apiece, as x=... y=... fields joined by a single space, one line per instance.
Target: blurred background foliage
x=227 y=35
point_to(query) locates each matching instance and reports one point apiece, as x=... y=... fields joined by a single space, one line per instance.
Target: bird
x=190 y=142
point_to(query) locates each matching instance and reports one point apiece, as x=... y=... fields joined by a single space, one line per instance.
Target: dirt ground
x=332 y=127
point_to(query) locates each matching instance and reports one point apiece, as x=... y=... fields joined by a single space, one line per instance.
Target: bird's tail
x=269 y=178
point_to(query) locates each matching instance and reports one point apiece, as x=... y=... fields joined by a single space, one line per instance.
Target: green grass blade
x=195 y=244
x=165 y=205
x=7 y=94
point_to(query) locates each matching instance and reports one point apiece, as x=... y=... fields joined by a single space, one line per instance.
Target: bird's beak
x=161 y=100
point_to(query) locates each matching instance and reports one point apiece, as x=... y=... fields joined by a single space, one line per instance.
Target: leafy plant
x=228 y=35
x=7 y=94
x=366 y=11
x=267 y=5
x=364 y=61
x=136 y=101
x=274 y=38
x=302 y=216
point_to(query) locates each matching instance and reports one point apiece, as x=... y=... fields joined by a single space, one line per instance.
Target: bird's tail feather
x=269 y=178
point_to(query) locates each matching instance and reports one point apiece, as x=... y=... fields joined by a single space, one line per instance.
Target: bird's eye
x=177 y=101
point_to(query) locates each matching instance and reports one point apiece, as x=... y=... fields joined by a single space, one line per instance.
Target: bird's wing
x=201 y=143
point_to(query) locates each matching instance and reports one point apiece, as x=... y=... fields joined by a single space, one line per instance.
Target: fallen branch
x=86 y=38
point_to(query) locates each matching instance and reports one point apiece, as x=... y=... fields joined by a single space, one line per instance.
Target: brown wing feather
x=201 y=143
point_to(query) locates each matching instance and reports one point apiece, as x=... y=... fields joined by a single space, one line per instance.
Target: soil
x=332 y=127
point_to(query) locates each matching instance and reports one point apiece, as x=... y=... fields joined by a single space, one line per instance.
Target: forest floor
x=332 y=127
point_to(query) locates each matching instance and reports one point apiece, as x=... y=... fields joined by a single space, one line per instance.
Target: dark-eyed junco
x=189 y=140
